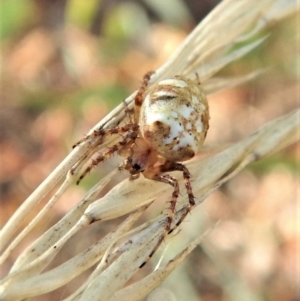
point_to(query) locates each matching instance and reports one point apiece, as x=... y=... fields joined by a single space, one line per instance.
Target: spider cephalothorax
x=170 y=122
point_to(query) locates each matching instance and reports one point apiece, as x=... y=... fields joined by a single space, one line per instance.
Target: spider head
x=133 y=168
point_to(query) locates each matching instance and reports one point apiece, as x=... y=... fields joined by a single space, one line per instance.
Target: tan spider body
x=170 y=125
x=174 y=118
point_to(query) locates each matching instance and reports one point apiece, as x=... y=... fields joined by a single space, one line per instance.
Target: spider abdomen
x=174 y=118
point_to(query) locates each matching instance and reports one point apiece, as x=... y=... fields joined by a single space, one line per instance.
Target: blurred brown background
x=65 y=64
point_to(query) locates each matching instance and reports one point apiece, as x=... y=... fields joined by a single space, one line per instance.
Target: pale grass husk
x=205 y=51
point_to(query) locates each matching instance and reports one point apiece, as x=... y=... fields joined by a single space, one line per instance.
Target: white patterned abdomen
x=174 y=118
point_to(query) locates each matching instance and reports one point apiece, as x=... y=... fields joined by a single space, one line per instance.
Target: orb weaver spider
x=169 y=126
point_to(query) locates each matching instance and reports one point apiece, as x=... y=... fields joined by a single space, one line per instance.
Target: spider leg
x=132 y=132
x=156 y=174
x=188 y=186
x=104 y=132
x=96 y=133
x=138 y=100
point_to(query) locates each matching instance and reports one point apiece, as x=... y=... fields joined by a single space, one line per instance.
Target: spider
x=169 y=126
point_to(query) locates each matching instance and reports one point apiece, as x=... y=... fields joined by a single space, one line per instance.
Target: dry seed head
x=174 y=118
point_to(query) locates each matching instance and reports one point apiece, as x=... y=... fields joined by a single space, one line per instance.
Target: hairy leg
x=131 y=135
x=157 y=175
x=106 y=132
x=138 y=100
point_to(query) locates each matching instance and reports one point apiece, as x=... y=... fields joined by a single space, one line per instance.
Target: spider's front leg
x=96 y=133
x=131 y=131
x=156 y=173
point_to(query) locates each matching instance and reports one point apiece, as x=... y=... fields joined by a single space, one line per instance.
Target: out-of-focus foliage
x=14 y=16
